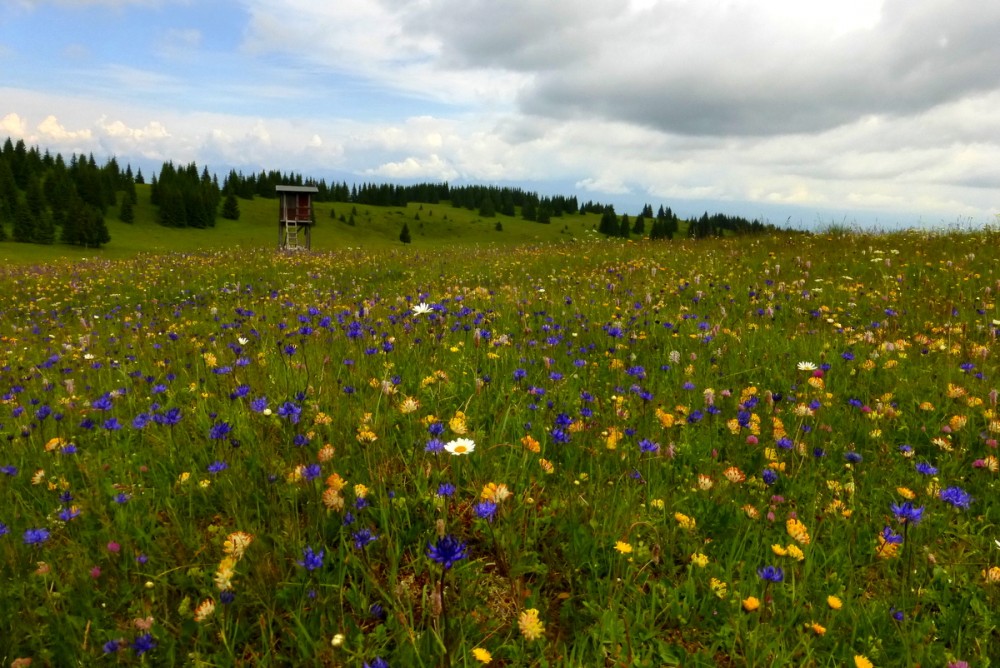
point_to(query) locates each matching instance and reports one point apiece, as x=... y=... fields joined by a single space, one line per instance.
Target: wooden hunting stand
x=295 y=216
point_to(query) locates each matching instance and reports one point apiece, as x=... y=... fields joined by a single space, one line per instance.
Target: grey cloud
x=691 y=68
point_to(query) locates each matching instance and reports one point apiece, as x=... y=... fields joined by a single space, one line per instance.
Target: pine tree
x=127 y=212
x=45 y=231
x=640 y=225
x=623 y=228
x=24 y=224
x=231 y=208
x=404 y=235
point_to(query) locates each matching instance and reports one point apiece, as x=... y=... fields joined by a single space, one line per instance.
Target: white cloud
x=14 y=125
x=51 y=129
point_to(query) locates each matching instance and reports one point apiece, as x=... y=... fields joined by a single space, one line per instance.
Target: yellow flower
x=204 y=610
x=360 y=491
x=457 y=424
x=332 y=499
x=719 y=588
x=794 y=552
x=734 y=475
x=751 y=603
x=834 y=602
x=700 y=560
x=325 y=453
x=992 y=575
x=684 y=521
x=546 y=465
x=816 y=628
x=531 y=627
x=495 y=492
x=622 y=547
x=531 y=444
x=906 y=493
x=236 y=544
x=224 y=574
x=408 y=405
x=481 y=655
x=779 y=550
x=861 y=661
x=797 y=530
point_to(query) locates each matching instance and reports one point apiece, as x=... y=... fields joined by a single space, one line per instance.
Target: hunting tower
x=295 y=217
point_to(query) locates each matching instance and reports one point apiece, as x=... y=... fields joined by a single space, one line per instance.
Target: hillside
x=374 y=227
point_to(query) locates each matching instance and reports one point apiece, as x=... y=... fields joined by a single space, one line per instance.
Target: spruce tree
x=127 y=212
x=404 y=235
x=24 y=224
x=45 y=232
x=231 y=208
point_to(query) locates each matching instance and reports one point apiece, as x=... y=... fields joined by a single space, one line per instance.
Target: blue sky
x=868 y=111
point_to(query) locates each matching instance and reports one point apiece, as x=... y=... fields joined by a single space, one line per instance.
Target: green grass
x=659 y=412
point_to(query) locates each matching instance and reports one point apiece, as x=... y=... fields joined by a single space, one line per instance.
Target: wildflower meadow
x=777 y=450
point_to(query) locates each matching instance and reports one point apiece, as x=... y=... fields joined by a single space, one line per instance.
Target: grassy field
x=375 y=227
x=736 y=452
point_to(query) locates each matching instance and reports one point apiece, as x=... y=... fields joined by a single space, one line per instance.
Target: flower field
x=774 y=451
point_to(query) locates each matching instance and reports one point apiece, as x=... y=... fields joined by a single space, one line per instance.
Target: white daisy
x=460 y=446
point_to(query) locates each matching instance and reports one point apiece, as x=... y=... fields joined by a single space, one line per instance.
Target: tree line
x=44 y=199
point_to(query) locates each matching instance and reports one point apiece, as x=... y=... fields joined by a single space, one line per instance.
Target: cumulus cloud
x=51 y=129
x=13 y=125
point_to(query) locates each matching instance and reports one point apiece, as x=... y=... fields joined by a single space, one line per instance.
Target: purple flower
x=771 y=573
x=220 y=431
x=485 y=510
x=67 y=514
x=363 y=538
x=889 y=536
x=769 y=477
x=907 y=514
x=646 y=445
x=143 y=644
x=434 y=446
x=259 y=405
x=217 y=466
x=311 y=560
x=956 y=496
x=4 y=529
x=290 y=411
x=446 y=551
x=35 y=536
x=311 y=472
x=445 y=489
x=926 y=469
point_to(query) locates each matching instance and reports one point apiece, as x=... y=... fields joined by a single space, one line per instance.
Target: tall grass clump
x=778 y=451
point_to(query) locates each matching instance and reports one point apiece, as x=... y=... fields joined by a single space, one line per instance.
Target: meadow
x=741 y=451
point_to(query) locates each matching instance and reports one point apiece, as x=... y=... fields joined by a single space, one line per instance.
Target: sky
x=876 y=113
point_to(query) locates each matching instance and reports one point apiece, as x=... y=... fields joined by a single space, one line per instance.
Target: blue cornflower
x=8 y=470
x=311 y=560
x=122 y=497
x=102 y=403
x=445 y=489
x=890 y=536
x=377 y=611
x=853 y=457
x=68 y=449
x=956 y=496
x=771 y=573
x=378 y=662
x=259 y=405
x=227 y=597
x=112 y=424
x=217 y=466
x=67 y=514
x=646 y=445
x=906 y=513
x=140 y=420
x=926 y=469
x=291 y=411
x=769 y=476
x=434 y=446
x=4 y=529
x=363 y=538
x=112 y=646
x=435 y=428
x=220 y=430
x=311 y=472
x=784 y=443
x=35 y=536
x=143 y=644
x=485 y=510
x=446 y=551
